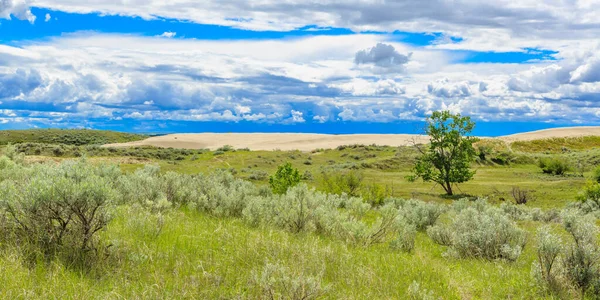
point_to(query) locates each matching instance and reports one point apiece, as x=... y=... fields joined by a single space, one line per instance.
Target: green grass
x=67 y=136
x=195 y=256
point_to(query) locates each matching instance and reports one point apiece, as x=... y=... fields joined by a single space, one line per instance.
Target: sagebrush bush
x=582 y=258
x=421 y=214
x=549 y=248
x=485 y=233
x=405 y=238
x=276 y=281
x=61 y=207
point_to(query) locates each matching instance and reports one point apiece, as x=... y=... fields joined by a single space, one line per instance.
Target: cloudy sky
x=298 y=65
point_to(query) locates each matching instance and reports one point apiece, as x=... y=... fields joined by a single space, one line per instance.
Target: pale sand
x=309 y=142
x=272 y=141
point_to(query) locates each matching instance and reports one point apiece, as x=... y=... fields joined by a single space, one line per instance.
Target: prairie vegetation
x=234 y=223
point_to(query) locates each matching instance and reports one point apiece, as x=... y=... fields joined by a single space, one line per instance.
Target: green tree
x=447 y=160
x=285 y=177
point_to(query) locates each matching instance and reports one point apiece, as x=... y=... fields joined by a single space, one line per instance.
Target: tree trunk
x=449 y=189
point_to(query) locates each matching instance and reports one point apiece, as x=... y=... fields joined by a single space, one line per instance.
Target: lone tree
x=448 y=159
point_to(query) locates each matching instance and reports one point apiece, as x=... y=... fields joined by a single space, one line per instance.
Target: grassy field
x=67 y=136
x=181 y=252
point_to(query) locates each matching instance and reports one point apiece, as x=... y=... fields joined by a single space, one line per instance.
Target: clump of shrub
x=555 y=165
x=276 y=281
x=60 y=209
x=348 y=182
x=421 y=214
x=258 y=175
x=481 y=232
x=575 y=265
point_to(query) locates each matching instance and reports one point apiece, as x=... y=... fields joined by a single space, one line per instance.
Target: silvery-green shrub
x=59 y=206
x=405 y=238
x=421 y=214
x=548 y=250
x=275 y=281
x=486 y=233
x=582 y=258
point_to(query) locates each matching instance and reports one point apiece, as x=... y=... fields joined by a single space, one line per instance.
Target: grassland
x=183 y=253
x=67 y=136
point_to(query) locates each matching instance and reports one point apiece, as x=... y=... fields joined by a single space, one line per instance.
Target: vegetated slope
x=67 y=136
x=557 y=145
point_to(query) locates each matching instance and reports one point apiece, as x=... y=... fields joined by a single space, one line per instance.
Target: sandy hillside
x=308 y=142
x=271 y=141
x=564 y=132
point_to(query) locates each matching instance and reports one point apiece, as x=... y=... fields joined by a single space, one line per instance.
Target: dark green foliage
x=448 y=159
x=554 y=165
x=285 y=177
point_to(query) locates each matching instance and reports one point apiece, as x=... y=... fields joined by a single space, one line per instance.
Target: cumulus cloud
x=77 y=77
x=446 y=89
x=384 y=57
x=17 y=8
x=48 y=18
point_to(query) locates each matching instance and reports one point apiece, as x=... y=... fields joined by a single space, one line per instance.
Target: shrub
x=349 y=182
x=276 y=281
x=259 y=175
x=596 y=174
x=548 y=249
x=375 y=194
x=591 y=192
x=220 y=194
x=60 y=207
x=440 y=235
x=416 y=292
x=556 y=165
x=520 y=196
x=285 y=177
x=421 y=214
x=581 y=259
x=405 y=238
x=487 y=233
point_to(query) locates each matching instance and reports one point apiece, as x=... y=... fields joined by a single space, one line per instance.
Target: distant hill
x=76 y=137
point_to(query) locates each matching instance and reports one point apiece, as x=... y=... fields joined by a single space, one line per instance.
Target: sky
x=328 y=66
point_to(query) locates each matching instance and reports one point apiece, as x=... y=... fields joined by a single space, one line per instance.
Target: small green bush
x=276 y=281
x=555 y=165
x=285 y=178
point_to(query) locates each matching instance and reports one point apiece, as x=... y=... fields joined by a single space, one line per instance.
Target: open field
x=174 y=234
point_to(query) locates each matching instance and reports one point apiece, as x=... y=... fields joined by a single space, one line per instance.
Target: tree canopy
x=447 y=159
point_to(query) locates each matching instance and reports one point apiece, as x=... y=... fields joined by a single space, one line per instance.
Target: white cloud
x=17 y=8
x=48 y=18
x=294 y=80
x=168 y=34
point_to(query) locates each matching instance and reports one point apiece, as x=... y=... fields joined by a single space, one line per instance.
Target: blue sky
x=297 y=66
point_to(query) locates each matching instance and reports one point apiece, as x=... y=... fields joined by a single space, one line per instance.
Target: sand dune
x=272 y=141
x=563 y=132
x=308 y=142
